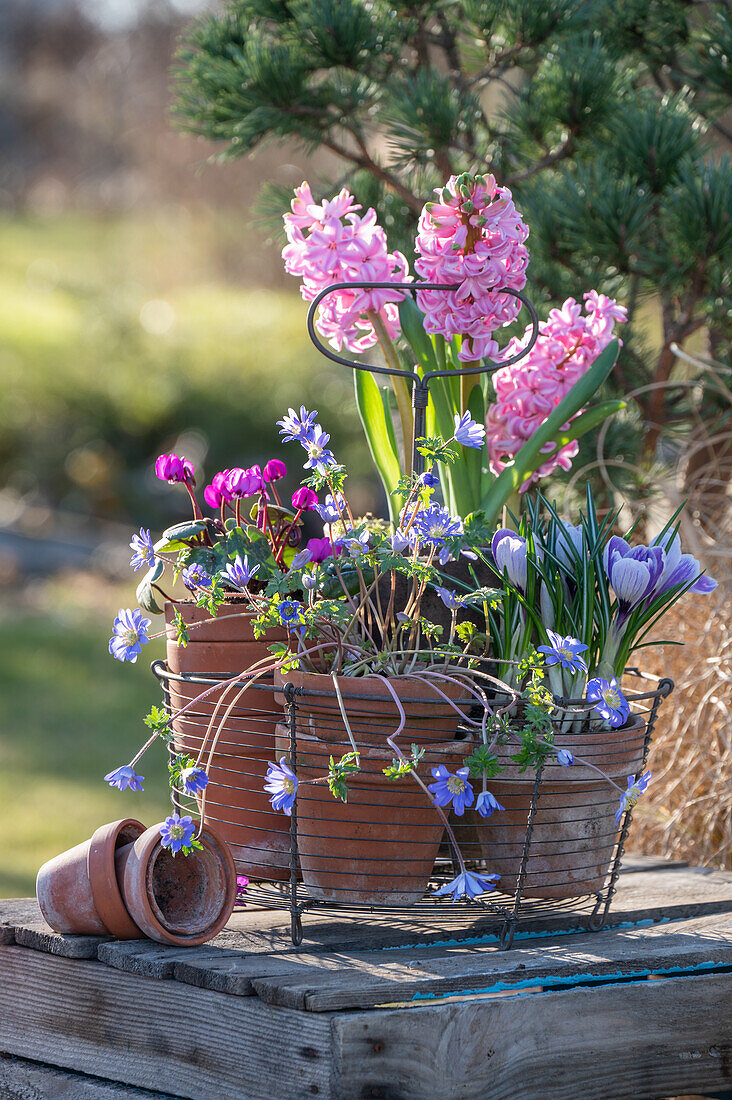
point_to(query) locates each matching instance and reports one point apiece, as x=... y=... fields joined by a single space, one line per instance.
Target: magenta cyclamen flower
x=174 y=468
x=304 y=499
x=330 y=243
x=274 y=470
x=528 y=391
x=473 y=235
x=320 y=549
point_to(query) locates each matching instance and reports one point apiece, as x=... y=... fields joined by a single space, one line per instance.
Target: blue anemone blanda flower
x=629 y=798
x=281 y=783
x=487 y=803
x=294 y=428
x=193 y=780
x=449 y=788
x=290 y=613
x=195 y=576
x=332 y=509
x=239 y=572
x=176 y=832
x=130 y=634
x=435 y=524
x=319 y=456
x=610 y=703
x=564 y=652
x=565 y=758
x=468 y=884
x=144 y=553
x=125 y=778
x=468 y=432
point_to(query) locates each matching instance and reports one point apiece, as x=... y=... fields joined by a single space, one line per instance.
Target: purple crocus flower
x=468 y=432
x=633 y=573
x=174 y=468
x=195 y=576
x=565 y=758
x=629 y=798
x=294 y=428
x=468 y=884
x=239 y=572
x=570 y=546
x=130 y=634
x=315 y=446
x=449 y=788
x=510 y=555
x=304 y=499
x=680 y=569
x=125 y=778
x=281 y=783
x=144 y=553
x=177 y=832
x=193 y=780
x=564 y=652
x=487 y=803
x=610 y=703
x=332 y=509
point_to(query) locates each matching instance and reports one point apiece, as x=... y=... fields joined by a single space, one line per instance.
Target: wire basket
x=385 y=852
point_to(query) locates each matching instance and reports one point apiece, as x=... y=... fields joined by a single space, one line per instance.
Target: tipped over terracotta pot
x=179 y=899
x=78 y=891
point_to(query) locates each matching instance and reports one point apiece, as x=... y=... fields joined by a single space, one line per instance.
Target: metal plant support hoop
x=497 y=914
x=420 y=382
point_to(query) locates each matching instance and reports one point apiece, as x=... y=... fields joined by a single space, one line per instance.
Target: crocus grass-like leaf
x=530 y=457
x=146 y=593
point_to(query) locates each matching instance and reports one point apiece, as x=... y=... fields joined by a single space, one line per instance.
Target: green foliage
x=482 y=762
x=399 y=768
x=158 y=720
x=338 y=772
x=598 y=114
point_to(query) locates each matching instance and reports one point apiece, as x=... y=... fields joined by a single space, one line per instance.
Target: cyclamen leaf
x=145 y=593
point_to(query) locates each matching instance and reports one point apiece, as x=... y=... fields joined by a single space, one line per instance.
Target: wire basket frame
x=305 y=863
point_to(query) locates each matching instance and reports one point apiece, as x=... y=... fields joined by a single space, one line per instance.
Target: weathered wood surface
x=623 y=1042
x=380 y=1008
x=24 y=1080
x=187 y=1042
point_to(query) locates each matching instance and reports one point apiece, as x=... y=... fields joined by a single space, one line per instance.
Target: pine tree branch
x=560 y=153
x=363 y=159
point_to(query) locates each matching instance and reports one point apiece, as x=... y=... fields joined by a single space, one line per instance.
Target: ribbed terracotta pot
x=379 y=847
x=178 y=899
x=78 y=891
x=574 y=831
x=236 y=803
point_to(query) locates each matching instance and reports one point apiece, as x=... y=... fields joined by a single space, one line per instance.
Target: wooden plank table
x=381 y=1008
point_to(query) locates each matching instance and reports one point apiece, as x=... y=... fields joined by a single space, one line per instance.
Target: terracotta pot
x=181 y=900
x=574 y=831
x=78 y=890
x=372 y=713
x=379 y=847
x=236 y=803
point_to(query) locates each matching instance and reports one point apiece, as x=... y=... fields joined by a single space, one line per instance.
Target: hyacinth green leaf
x=411 y=319
x=375 y=416
x=530 y=457
x=475 y=456
x=146 y=593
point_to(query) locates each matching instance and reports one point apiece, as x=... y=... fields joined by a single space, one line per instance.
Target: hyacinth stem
x=401 y=390
x=467 y=381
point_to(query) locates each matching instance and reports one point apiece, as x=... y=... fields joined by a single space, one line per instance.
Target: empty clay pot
x=236 y=803
x=182 y=900
x=78 y=891
x=574 y=831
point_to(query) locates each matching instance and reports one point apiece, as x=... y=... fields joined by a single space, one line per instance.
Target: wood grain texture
x=327 y=984
x=23 y=1080
x=628 y=1042
x=190 y=1042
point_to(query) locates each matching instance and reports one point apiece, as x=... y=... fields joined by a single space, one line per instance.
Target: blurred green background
x=140 y=312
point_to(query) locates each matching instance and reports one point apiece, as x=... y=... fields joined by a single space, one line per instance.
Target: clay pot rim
x=373 y=687
x=100 y=866
x=145 y=846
